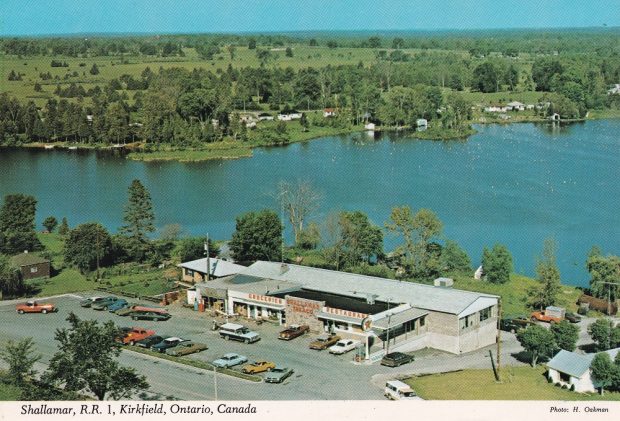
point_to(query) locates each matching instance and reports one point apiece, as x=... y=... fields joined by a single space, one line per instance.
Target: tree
x=604 y=335
x=138 y=217
x=417 y=231
x=94 y=70
x=17 y=224
x=88 y=246
x=565 y=335
x=257 y=236
x=602 y=370
x=299 y=200
x=288 y=52
x=50 y=223
x=21 y=359
x=398 y=43
x=454 y=258
x=310 y=237
x=10 y=280
x=604 y=272
x=497 y=264
x=252 y=44
x=63 y=229
x=86 y=359
x=486 y=78
x=193 y=248
x=374 y=42
x=548 y=275
x=537 y=341
x=360 y=240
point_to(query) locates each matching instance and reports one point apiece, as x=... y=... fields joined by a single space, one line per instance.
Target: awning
x=399 y=318
x=212 y=292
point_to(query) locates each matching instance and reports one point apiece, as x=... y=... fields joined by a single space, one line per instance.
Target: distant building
x=554 y=117
x=516 y=106
x=614 y=90
x=265 y=117
x=291 y=115
x=31 y=265
x=329 y=112
x=196 y=270
x=573 y=370
x=478 y=273
x=369 y=126
x=421 y=122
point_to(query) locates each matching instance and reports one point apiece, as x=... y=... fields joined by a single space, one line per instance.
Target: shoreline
x=225 y=150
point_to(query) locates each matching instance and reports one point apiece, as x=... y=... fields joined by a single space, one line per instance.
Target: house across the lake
x=31 y=265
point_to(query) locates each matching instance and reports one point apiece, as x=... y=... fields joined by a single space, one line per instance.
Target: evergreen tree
x=139 y=218
x=17 y=224
x=454 y=258
x=88 y=246
x=50 y=223
x=94 y=70
x=63 y=229
x=548 y=275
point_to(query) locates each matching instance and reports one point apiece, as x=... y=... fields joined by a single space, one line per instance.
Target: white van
x=396 y=390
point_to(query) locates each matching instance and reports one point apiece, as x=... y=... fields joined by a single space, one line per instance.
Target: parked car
x=104 y=304
x=324 y=341
x=238 y=332
x=150 y=341
x=122 y=332
x=513 y=324
x=137 y=334
x=396 y=390
x=90 y=301
x=150 y=315
x=293 y=332
x=258 y=367
x=343 y=346
x=230 y=360
x=395 y=359
x=572 y=317
x=137 y=307
x=541 y=316
x=35 y=307
x=278 y=374
x=119 y=304
x=186 y=348
x=167 y=343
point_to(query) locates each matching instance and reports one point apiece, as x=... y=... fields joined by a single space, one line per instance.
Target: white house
x=265 y=117
x=329 y=112
x=293 y=115
x=614 y=90
x=369 y=126
x=572 y=369
x=421 y=122
x=516 y=106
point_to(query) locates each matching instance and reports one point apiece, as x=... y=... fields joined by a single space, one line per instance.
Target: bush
x=572 y=387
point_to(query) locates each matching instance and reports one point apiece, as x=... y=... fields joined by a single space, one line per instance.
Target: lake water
x=516 y=184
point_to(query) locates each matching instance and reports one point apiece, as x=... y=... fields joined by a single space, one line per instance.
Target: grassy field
x=517 y=383
x=514 y=292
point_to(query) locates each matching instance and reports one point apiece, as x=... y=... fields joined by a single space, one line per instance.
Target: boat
x=72 y=148
x=49 y=146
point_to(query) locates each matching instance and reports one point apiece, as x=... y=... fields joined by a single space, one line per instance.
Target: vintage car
x=230 y=360
x=186 y=348
x=150 y=341
x=278 y=374
x=150 y=315
x=324 y=341
x=167 y=343
x=137 y=334
x=395 y=359
x=258 y=367
x=343 y=346
x=105 y=303
x=293 y=332
x=35 y=307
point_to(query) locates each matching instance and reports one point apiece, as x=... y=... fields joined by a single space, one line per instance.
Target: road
x=318 y=375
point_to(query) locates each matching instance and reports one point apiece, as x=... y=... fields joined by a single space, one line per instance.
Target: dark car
x=120 y=303
x=572 y=317
x=293 y=331
x=167 y=343
x=105 y=303
x=395 y=359
x=150 y=315
x=150 y=341
x=513 y=324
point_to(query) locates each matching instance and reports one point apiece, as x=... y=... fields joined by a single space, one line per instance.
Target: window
x=466 y=322
x=422 y=321
x=189 y=272
x=485 y=313
x=565 y=377
x=34 y=269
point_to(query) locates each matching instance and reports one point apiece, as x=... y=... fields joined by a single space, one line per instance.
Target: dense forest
x=398 y=79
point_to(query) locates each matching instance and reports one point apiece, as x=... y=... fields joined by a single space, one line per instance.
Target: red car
x=293 y=331
x=36 y=307
x=137 y=334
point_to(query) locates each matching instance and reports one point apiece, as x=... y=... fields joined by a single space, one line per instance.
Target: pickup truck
x=238 y=333
x=137 y=334
x=542 y=316
x=324 y=341
x=35 y=307
x=293 y=332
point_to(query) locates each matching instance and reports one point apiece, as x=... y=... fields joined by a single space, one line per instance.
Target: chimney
x=283 y=268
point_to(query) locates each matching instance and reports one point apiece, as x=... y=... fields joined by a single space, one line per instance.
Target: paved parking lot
x=318 y=374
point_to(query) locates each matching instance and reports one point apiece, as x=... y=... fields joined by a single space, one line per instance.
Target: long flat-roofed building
x=382 y=313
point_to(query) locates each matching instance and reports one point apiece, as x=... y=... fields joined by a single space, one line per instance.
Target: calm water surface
x=515 y=184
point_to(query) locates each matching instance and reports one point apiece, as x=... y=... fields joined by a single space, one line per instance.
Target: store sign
x=303 y=306
x=346 y=313
x=266 y=299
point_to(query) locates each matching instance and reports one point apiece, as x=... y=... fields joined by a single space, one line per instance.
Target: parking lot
x=318 y=374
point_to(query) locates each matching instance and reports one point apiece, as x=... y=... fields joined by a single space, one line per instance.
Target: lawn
x=518 y=383
x=514 y=292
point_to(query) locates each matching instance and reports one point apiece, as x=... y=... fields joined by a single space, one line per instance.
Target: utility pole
x=387 y=350
x=97 y=246
x=499 y=336
x=215 y=380
x=208 y=259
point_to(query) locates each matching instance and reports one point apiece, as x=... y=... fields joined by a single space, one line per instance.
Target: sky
x=43 y=17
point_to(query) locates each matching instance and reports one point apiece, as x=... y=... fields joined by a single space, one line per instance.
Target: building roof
x=428 y=297
x=27 y=259
x=571 y=363
x=399 y=318
x=250 y=284
x=217 y=267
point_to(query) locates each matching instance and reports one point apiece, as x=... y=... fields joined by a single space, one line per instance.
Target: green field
x=517 y=383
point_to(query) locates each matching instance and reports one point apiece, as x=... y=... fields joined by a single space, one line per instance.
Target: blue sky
x=40 y=17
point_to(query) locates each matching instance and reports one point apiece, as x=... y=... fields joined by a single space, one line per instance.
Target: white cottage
x=572 y=369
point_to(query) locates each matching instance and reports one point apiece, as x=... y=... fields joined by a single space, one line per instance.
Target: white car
x=343 y=345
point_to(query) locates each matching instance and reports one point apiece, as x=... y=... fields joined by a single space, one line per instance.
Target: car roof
x=231 y=354
x=173 y=338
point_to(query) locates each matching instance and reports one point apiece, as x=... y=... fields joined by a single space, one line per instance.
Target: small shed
x=421 y=122
x=553 y=311
x=444 y=282
x=31 y=265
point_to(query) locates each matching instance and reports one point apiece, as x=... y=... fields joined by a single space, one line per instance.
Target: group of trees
x=85 y=363
x=540 y=342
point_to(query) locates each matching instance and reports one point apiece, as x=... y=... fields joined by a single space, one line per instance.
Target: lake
x=514 y=184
